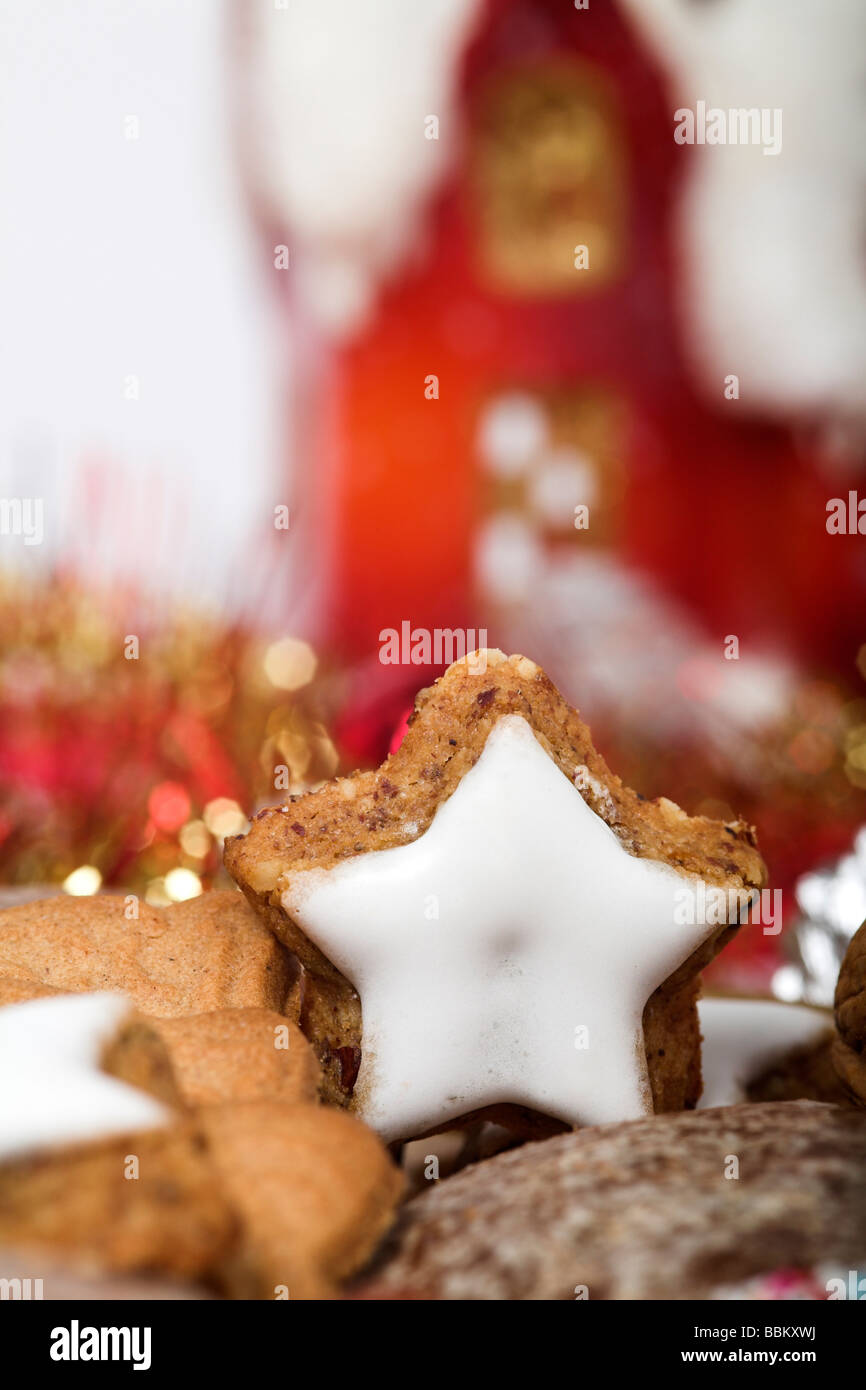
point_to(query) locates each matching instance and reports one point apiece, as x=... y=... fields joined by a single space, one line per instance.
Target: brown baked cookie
x=140 y=1056
x=395 y=805
x=85 y=1202
x=237 y=1055
x=262 y=1198
x=209 y=953
x=671 y=1207
x=258 y=1200
x=212 y=1058
x=16 y=989
x=314 y=1191
x=849 y=1047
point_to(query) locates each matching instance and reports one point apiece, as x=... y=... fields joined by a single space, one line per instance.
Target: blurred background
x=323 y=316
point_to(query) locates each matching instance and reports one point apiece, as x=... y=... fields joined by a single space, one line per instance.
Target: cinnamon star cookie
x=492 y=919
x=273 y=1196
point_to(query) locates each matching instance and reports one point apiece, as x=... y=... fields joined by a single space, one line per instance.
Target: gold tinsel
x=129 y=748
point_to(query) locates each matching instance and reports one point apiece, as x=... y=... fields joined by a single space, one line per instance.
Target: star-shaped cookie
x=56 y=1091
x=241 y=1178
x=504 y=908
x=503 y=956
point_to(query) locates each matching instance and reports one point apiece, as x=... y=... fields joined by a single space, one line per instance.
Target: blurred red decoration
x=104 y=760
x=169 y=806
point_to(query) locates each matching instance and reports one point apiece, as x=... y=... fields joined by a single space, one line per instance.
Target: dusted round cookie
x=665 y=1207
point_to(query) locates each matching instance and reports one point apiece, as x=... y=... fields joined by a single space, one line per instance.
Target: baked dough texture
x=211 y=952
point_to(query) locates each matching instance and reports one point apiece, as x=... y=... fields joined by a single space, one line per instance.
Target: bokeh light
x=182 y=884
x=195 y=839
x=83 y=881
x=169 y=806
x=224 y=817
x=290 y=663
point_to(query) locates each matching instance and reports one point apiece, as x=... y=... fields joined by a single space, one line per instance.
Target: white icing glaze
x=744 y=1037
x=479 y=949
x=51 y=1089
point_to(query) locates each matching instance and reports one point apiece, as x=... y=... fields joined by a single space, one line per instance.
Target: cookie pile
x=188 y=1143
x=489 y=939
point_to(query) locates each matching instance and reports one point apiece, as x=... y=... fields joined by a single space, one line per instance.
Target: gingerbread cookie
x=88 y=1203
x=314 y=1191
x=209 y=953
x=17 y=989
x=668 y=1207
x=69 y=1134
x=849 y=1047
x=519 y=927
x=268 y=1198
x=212 y=1058
x=138 y=1055
x=237 y=1055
